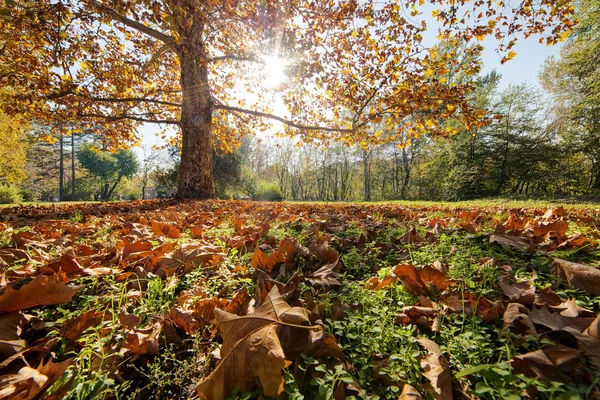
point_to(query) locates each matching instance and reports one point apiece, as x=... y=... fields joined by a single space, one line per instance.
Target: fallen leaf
x=251 y=348
x=74 y=328
x=142 y=340
x=167 y=229
x=519 y=292
x=547 y=363
x=189 y=257
x=580 y=276
x=555 y=321
x=409 y=393
x=508 y=241
x=42 y=290
x=437 y=370
x=516 y=318
x=324 y=276
x=426 y=281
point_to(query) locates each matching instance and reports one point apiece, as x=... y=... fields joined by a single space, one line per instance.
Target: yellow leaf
x=511 y=54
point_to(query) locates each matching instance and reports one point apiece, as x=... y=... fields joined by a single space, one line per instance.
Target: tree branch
x=132 y=23
x=134 y=100
x=237 y=58
x=280 y=119
x=131 y=117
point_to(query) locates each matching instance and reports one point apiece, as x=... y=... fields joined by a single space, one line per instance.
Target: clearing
x=231 y=299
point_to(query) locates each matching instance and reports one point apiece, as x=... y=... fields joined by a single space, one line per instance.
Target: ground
x=216 y=299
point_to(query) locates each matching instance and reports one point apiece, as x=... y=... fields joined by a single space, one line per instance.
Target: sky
x=525 y=67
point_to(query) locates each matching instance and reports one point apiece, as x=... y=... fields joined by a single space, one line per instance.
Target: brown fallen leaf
x=252 y=349
x=437 y=370
x=11 y=324
x=518 y=292
x=409 y=393
x=42 y=290
x=376 y=284
x=580 y=276
x=540 y=229
x=265 y=261
x=508 y=241
x=547 y=363
x=142 y=340
x=189 y=257
x=556 y=321
x=168 y=229
x=73 y=329
x=29 y=382
x=25 y=385
x=185 y=320
x=66 y=264
x=470 y=303
x=324 y=276
x=412 y=237
x=423 y=316
x=516 y=318
x=426 y=281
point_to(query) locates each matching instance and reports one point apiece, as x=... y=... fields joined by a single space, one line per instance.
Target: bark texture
x=196 y=170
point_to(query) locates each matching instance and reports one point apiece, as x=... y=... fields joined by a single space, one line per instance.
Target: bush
x=268 y=191
x=10 y=194
x=29 y=195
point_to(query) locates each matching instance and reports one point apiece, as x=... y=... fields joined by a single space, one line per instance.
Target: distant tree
x=12 y=151
x=108 y=167
x=574 y=83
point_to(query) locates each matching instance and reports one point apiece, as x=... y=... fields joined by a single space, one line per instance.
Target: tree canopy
x=12 y=151
x=203 y=67
x=107 y=167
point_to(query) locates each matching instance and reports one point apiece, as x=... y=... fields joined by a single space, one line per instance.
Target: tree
x=116 y=64
x=12 y=151
x=574 y=82
x=109 y=168
x=150 y=161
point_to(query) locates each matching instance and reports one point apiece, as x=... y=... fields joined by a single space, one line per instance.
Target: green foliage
x=10 y=194
x=371 y=331
x=108 y=168
x=267 y=192
x=12 y=151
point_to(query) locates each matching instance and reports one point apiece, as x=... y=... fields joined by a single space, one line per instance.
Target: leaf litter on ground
x=165 y=299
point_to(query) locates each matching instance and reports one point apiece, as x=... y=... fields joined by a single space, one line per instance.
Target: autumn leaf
x=426 y=281
x=74 y=328
x=29 y=382
x=42 y=290
x=324 y=276
x=547 y=363
x=437 y=370
x=508 y=241
x=189 y=257
x=516 y=318
x=167 y=229
x=519 y=292
x=580 y=276
x=251 y=348
x=142 y=340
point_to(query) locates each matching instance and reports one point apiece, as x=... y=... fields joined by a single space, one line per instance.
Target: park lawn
x=166 y=299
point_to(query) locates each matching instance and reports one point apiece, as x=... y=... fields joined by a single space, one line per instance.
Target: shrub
x=10 y=194
x=268 y=191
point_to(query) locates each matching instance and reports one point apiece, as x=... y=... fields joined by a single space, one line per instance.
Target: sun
x=274 y=69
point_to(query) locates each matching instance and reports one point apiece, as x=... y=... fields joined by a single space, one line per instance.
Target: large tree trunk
x=61 y=172
x=196 y=169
